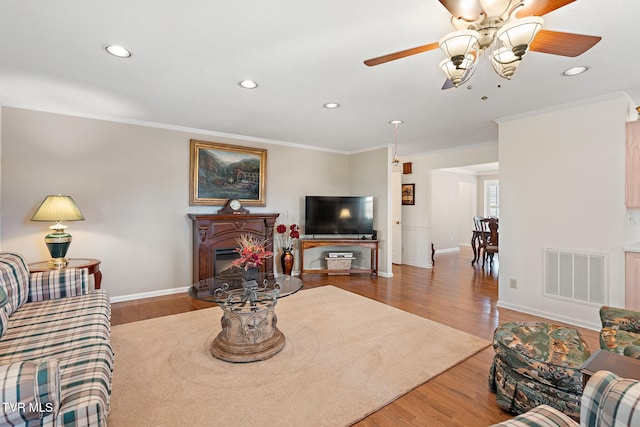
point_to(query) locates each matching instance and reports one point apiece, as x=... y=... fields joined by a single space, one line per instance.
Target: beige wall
x=370 y=175
x=131 y=182
x=562 y=186
x=453 y=203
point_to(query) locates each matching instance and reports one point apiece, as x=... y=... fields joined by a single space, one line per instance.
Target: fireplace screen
x=222 y=259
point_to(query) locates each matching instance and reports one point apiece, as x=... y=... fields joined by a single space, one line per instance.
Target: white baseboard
x=447 y=250
x=421 y=265
x=171 y=291
x=151 y=294
x=552 y=316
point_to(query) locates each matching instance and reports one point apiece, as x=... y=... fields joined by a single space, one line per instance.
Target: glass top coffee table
x=249 y=332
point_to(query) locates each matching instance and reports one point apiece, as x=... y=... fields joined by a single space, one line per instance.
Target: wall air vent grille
x=579 y=276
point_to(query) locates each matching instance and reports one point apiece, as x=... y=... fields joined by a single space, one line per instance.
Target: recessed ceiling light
x=118 y=51
x=331 y=105
x=396 y=122
x=575 y=71
x=248 y=84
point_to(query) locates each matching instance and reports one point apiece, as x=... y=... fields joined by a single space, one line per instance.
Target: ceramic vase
x=286 y=261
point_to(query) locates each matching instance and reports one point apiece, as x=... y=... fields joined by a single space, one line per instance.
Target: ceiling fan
x=503 y=29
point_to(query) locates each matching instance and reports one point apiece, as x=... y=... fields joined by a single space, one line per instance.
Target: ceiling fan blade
x=448 y=84
x=541 y=7
x=563 y=44
x=402 y=54
x=467 y=10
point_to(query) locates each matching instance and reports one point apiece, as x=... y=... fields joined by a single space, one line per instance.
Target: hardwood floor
x=453 y=293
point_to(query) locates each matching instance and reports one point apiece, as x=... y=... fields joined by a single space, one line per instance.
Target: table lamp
x=58 y=208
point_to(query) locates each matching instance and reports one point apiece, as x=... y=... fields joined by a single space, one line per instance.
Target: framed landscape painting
x=219 y=172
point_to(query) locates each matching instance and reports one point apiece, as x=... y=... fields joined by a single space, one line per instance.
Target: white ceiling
x=188 y=57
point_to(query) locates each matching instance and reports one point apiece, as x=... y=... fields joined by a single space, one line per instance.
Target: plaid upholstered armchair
x=607 y=401
x=620 y=331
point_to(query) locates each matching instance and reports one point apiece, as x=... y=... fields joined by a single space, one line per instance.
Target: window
x=492 y=198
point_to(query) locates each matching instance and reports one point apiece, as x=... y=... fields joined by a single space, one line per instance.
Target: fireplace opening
x=222 y=260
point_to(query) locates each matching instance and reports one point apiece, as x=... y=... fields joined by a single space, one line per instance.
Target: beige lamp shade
x=58 y=208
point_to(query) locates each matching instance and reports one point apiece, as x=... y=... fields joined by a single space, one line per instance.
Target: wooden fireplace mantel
x=218 y=231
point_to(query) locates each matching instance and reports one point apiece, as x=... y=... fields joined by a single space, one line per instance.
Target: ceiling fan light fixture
x=458 y=73
x=459 y=44
x=505 y=62
x=498 y=7
x=518 y=34
x=488 y=26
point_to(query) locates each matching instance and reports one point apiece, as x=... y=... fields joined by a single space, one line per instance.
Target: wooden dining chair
x=480 y=231
x=491 y=241
x=477 y=223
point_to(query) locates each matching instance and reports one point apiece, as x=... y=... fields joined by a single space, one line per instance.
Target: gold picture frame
x=219 y=172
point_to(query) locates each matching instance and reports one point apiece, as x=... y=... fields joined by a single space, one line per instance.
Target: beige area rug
x=345 y=357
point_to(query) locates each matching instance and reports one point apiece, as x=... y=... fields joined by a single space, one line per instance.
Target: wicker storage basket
x=342 y=263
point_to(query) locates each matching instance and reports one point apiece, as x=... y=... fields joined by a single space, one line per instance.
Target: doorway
x=457 y=195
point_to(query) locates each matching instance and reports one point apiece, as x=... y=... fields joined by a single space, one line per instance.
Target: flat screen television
x=338 y=215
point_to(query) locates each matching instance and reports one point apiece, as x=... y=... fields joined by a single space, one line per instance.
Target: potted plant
x=253 y=251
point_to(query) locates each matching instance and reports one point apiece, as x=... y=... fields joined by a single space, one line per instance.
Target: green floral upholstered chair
x=620 y=331
x=538 y=363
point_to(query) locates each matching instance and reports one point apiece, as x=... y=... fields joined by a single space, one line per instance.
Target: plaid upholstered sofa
x=607 y=401
x=56 y=360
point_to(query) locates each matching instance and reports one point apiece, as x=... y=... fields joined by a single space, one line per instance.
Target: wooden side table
x=313 y=243
x=92 y=264
x=604 y=360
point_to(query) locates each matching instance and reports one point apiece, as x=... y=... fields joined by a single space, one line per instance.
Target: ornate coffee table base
x=248 y=353
x=249 y=333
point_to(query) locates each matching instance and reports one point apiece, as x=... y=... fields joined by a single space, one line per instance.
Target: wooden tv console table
x=314 y=243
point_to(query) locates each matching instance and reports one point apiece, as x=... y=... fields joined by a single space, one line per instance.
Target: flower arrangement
x=287 y=234
x=252 y=252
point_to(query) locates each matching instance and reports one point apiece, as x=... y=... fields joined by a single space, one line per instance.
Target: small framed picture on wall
x=408 y=191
